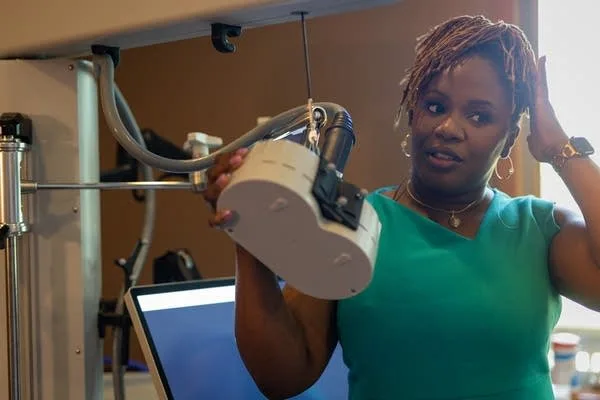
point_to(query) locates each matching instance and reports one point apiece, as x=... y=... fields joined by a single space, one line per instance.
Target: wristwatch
x=576 y=147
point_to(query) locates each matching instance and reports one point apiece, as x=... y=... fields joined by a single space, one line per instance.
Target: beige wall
x=357 y=61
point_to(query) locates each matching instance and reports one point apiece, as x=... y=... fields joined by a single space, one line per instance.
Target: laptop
x=186 y=332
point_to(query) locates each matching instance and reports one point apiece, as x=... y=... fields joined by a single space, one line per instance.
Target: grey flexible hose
x=131 y=126
x=150 y=211
x=109 y=107
x=118 y=371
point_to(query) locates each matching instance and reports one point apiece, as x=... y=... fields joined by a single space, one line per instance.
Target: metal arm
x=15 y=140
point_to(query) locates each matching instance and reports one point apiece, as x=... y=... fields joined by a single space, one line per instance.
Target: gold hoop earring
x=404 y=145
x=511 y=169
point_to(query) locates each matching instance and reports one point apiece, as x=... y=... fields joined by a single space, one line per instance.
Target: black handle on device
x=339 y=201
x=339 y=141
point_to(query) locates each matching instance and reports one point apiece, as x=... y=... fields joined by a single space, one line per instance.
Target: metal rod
x=28 y=187
x=13 y=318
x=306 y=58
x=13 y=225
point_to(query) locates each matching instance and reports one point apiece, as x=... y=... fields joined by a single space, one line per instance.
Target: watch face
x=582 y=146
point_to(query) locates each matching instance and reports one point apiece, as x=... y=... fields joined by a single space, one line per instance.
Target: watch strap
x=567 y=152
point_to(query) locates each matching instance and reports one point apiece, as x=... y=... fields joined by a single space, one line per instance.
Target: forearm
x=582 y=178
x=270 y=340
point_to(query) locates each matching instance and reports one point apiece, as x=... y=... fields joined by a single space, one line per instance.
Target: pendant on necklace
x=454 y=221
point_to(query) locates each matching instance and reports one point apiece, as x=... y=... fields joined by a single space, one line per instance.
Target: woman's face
x=460 y=127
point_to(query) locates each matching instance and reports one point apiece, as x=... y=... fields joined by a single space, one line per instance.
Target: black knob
x=16 y=125
x=4 y=232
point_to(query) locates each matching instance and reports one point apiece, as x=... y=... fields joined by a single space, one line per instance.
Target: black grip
x=16 y=125
x=339 y=140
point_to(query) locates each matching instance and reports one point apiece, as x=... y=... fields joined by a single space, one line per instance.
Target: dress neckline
x=421 y=218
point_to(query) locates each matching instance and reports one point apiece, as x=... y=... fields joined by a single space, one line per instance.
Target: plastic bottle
x=564 y=373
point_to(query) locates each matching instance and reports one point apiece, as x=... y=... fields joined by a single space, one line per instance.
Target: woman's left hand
x=547 y=137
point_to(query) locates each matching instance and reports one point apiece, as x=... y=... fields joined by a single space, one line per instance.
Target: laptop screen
x=189 y=328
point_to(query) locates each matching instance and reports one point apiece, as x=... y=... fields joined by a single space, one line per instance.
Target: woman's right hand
x=219 y=176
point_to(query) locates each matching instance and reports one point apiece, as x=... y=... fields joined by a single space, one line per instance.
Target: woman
x=467 y=285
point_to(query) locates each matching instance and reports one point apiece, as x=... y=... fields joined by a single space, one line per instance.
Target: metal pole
x=11 y=253
x=29 y=187
x=15 y=140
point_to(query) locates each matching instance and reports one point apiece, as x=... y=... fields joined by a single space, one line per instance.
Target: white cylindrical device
x=279 y=220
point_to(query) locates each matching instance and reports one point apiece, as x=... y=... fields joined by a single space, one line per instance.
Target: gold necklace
x=453 y=220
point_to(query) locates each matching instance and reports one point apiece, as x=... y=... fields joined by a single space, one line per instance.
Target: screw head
x=342 y=201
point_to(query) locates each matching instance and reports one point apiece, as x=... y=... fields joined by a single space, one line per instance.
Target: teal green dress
x=448 y=317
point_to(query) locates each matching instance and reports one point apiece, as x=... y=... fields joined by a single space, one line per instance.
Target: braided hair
x=449 y=44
